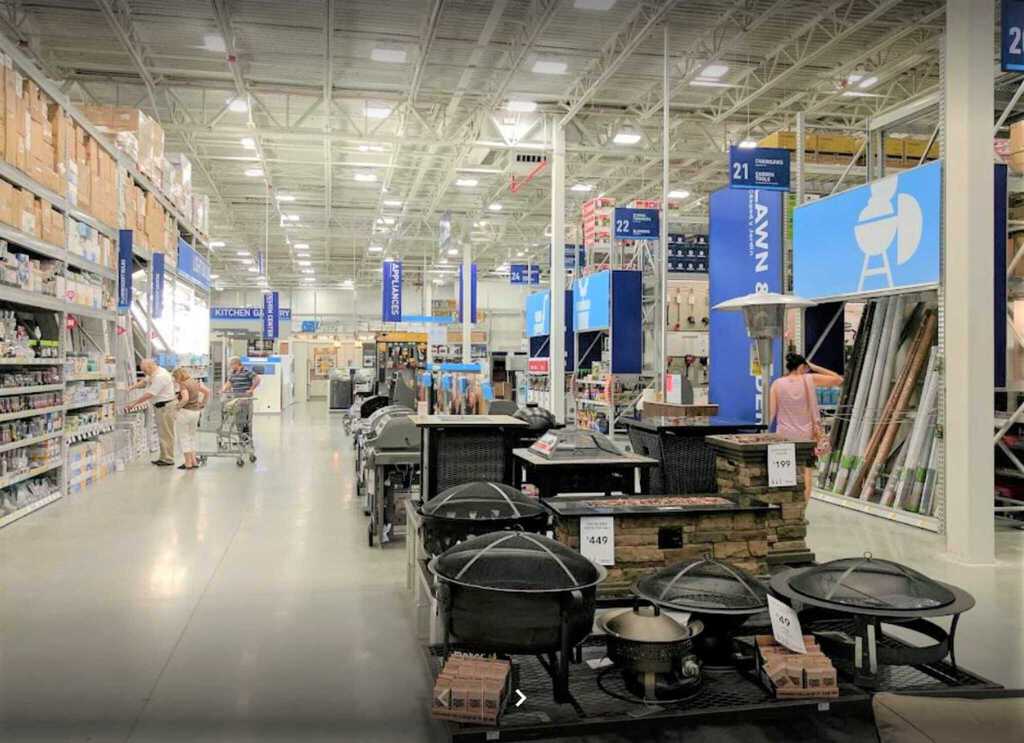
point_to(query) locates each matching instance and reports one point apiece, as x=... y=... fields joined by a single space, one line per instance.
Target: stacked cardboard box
x=837 y=149
x=471 y=689
x=52 y=225
x=1015 y=149
x=794 y=675
x=138 y=135
x=90 y=244
x=92 y=177
x=34 y=136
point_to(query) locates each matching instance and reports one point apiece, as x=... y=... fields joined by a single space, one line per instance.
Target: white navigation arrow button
x=522 y=698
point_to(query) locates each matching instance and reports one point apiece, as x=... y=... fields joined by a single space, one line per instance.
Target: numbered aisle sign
x=1012 y=44
x=786 y=626
x=597 y=539
x=781 y=465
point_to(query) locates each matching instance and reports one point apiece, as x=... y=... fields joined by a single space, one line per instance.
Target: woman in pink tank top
x=793 y=402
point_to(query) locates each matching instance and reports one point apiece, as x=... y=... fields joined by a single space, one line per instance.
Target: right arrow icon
x=522 y=698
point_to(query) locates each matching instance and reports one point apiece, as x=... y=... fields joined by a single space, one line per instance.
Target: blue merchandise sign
x=523 y=273
x=746 y=244
x=1011 y=44
x=156 y=288
x=574 y=254
x=871 y=239
x=637 y=224
x=472 y=295
x=247 y=313
x=193 y=265
x=538 y=314
x=591 y=300
x=124 y=270
x=391 y=291
x=271 y=308
x=766 y=168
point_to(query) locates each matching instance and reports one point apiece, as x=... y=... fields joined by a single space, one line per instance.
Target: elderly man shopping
x=159 y=388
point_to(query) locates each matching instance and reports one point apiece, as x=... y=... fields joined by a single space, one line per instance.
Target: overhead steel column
x=968 y=276
x=467 y=302
x=661 y=255
x=556 y=342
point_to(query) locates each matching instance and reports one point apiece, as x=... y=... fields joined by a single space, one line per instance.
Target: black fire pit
x=476 y=508
x=517 y=593
x=844 y=603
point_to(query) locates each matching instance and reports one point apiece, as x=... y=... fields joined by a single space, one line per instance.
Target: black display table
x=686 y=462
x=463 y=448
x=587 y=474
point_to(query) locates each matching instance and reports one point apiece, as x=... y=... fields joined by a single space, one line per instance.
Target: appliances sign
x=391 y=291
x=874 y=238
x=759 y=167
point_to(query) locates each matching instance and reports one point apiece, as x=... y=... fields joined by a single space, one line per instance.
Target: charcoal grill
x=873 y=593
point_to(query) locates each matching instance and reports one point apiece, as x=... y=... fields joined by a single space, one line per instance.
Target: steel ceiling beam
x=119 y=18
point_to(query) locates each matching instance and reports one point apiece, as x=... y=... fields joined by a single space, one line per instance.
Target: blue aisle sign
x=156 y=287
x=574 y=254
x=538 y=313
x=193 y=265
x=391 y=291
x=523 y=273
x=124 y=270
x=591 y=300
x=472 y=295
x=271 y=308
x=310 y=326
x=1011 y=45
x=637 y=224
x=759 y=167
x=870 y=239
x=246 y=313
x=746 y=249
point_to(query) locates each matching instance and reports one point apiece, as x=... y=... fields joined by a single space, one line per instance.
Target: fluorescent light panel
x=714 y=70
x=521 y=106
x=680 y=194
x=388 y=56
x=254 y=172
x=466 y=182
x=549 y=67
x=365 y=177
x=377 y=111
x=285 y=197
x=626 y=138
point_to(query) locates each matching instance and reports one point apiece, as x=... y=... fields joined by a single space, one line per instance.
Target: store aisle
x=226 y=604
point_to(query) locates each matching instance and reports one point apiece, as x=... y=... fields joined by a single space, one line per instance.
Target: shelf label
x=597 y=539
x=781 y=465
x=786 y=626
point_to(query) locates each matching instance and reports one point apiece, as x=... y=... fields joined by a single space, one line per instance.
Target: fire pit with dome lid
x=844 y=603
x=518 y=593
x=476 y=508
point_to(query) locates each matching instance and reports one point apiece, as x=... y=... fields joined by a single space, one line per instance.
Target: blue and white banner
x=538 y=313
x=271 y=307
x=1011 y=45
x=193 y=265
x=472 y=295
x=871 y=239
x=575 y=254
x=637 y=224
x=247 y=313
x=124 y=270
x=391 y=291
x=766 y=168
x=523 y=274
x=156 y=286
x=746 y=257
x=591 y=301
x=310 y=326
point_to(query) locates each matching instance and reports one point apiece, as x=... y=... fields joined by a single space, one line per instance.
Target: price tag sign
x=785 y=626
x=597 y=539
x=545 y=443
x=781 y=465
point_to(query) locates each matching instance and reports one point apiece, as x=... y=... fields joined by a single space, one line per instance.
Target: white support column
x=968 y=276
x=556 y=343
x=467 y=302
x=661 y=254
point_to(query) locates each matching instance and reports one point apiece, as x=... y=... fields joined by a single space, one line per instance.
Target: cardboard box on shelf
x=201 y=213
x=1016 y=137
x=8 y=204
x=52 y=225
x=149 y=134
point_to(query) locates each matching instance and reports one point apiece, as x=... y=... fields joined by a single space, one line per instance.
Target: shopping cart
x=233 y=429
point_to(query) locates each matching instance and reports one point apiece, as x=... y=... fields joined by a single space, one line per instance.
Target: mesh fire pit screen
x=704 y=586
x=866 y=584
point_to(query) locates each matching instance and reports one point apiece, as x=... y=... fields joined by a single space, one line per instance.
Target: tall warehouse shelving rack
x=79 y=328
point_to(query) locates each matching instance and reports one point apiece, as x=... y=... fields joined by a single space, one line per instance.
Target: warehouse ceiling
x=371 y=118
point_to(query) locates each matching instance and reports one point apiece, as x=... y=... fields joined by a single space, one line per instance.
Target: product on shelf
x=19 y=403
x=25 y=493
x=28 y=377
x=91 y=244
x=28 y=428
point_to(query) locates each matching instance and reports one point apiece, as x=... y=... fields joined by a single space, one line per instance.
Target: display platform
x=600 y=474
x=603 y=705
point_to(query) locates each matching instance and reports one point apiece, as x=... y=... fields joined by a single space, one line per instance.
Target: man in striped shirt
x=240 y=381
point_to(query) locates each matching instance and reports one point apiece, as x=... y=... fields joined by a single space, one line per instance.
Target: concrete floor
x=244 y=605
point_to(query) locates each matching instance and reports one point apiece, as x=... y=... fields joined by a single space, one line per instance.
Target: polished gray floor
x=244 y=605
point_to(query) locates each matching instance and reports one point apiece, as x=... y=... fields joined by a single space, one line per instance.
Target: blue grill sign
x=271 y=308
x=156 y=289
x=391 y=290
x=637 y=224
x=124 y=270
x=766 y=168
x=1011 y=45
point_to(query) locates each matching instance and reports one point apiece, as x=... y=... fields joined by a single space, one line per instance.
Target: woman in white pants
x=192 y=398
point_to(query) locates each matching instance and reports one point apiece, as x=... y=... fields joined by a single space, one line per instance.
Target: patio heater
x=765 y=315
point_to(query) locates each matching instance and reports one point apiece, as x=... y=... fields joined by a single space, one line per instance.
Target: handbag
x=822 y=441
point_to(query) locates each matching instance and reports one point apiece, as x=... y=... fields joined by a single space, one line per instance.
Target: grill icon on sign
x=888 y=217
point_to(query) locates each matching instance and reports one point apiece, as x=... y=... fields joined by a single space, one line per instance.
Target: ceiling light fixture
x=453 y=251
x=217 y=244
x=714 y=70
x=214 y=275
x=867 y=82
x=365 y=177
x=290 y=217
x=252 y=269
x=239 y=105
x=582 y=187
x=679 y=194
x=214 y=43
x=392 y=203
x=377 y=111
x=248 y=143
x=466 y=182
x=626 y=137
x=254 y=172
x=521 y=106
x=747 y=144
x=302 y=246
x=304 y=263
x=388 y=56
x=308 y=270
x=549 y=67
x=243 y=253
x=495 y=207
x=285 y=197
x=376 y=249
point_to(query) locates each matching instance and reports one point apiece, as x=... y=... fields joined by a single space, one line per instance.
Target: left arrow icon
x=522 y=698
